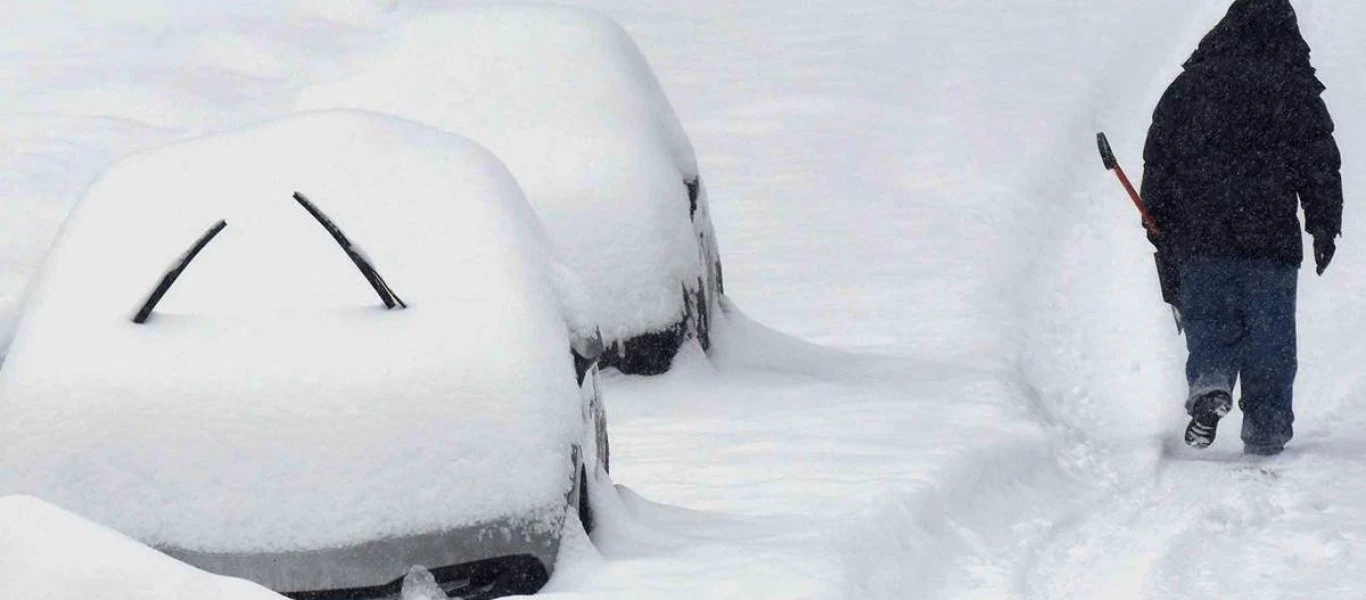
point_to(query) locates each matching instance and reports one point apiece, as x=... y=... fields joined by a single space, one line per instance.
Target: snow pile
x=565 y=98
x=271 y=402
x=48 y=553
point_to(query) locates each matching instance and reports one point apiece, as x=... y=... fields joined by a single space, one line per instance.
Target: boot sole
x=1195 y=438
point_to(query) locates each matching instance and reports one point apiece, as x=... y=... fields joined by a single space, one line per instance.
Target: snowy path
x=913 y=185
x=1120 y=513
x=1167 y=521
x=808 y=483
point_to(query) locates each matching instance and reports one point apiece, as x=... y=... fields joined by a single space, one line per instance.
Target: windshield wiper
x=357 y=256
x=174 y=272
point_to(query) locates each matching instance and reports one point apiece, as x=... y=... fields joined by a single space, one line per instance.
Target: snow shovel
x=1168 y=271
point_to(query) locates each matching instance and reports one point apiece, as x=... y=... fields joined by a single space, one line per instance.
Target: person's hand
x=1324 y=248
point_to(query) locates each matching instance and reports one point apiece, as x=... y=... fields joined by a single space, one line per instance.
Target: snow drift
x=49 y=553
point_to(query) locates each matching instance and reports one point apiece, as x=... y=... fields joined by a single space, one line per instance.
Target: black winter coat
x=1240 y=141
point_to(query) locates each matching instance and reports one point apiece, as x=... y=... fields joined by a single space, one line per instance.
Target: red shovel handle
x=1138 y=202
x=1108 y=157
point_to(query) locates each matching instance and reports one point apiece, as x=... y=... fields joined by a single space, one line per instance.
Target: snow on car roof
x=564 y=97
x=47 y=552
x=271 y=401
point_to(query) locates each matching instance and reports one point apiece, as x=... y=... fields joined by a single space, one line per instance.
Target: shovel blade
x=1107 y=155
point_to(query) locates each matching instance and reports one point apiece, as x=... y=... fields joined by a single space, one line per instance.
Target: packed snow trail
x=1166 y=520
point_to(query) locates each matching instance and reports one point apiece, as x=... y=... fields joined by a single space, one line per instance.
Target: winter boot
x=1205 y=414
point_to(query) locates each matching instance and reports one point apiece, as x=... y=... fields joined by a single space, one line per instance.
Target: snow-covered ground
x=47 y=552
x=980 y=390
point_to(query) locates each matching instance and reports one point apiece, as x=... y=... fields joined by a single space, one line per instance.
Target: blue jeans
x=1240 y=323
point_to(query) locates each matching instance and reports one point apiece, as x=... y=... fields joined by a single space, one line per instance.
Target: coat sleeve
x=1318 y=167
x=1159 y=162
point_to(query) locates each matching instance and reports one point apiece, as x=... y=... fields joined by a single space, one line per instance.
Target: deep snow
x=913 y=185
x=48 y=552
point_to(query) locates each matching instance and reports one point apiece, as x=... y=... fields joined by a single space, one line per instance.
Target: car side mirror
x=586 y=351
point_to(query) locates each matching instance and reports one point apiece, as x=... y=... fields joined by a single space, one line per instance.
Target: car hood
x=293 y=460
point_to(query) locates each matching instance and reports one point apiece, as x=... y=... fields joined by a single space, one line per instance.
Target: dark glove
x=1324 y=248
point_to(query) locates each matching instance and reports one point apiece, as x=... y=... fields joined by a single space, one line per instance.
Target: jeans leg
x=1267 y=362
x=1214 y=325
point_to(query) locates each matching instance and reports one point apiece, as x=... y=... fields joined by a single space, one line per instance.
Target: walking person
x=1239 y=142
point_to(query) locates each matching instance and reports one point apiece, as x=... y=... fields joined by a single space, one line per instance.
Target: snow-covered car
x=565 y=98
x=256 y=411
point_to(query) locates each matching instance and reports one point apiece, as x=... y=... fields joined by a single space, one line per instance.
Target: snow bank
x=565 y=98
x=271 y=402
x=48 y=553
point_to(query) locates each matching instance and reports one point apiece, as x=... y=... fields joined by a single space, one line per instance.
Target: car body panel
x=379 y=562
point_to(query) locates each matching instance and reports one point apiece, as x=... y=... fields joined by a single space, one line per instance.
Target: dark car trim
x=479 y=580
x=379 y=563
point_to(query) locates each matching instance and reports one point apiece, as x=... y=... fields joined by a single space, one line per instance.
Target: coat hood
x=1255 y=30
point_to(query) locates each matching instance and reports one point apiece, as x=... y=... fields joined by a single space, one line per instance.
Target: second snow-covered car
x=362 y=358
x=565 y=98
